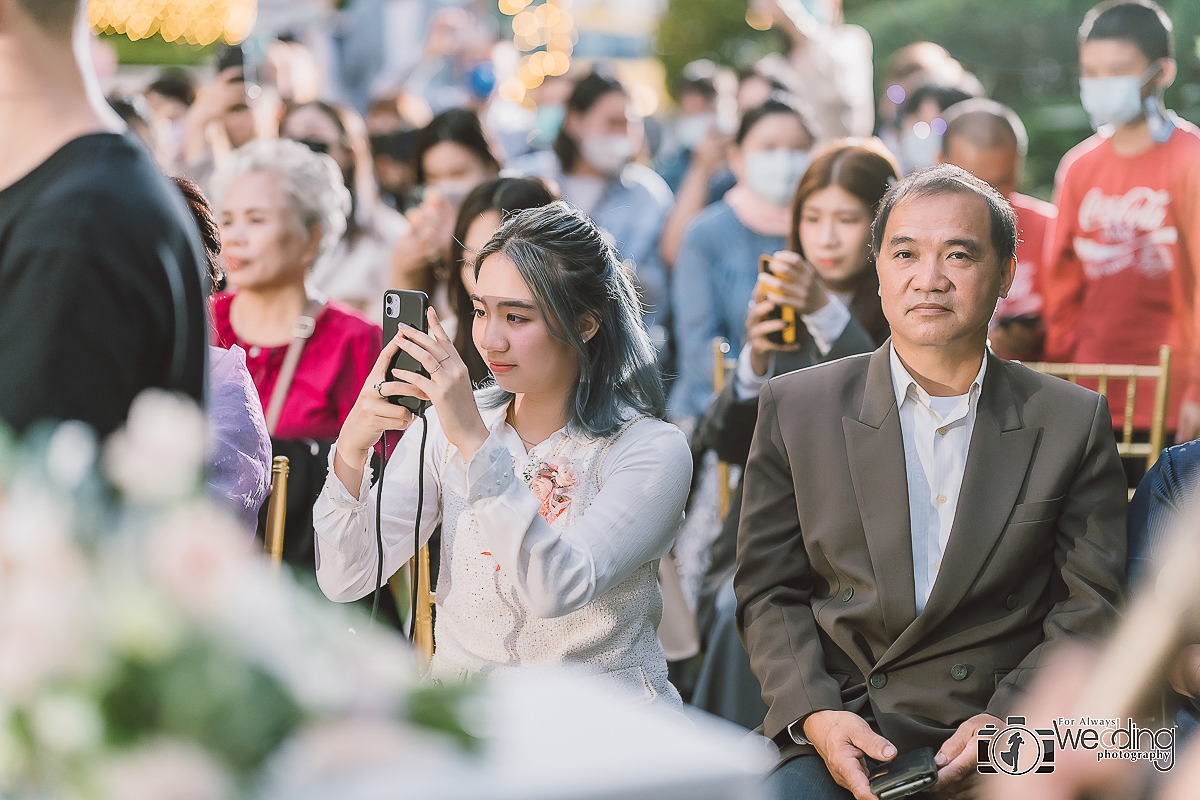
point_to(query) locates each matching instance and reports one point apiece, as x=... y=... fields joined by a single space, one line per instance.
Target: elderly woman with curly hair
x=280 y=207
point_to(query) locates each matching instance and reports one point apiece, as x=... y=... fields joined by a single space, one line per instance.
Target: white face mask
x=1113 y=101
x=690 y=131
x=774 y=175
x=917 y=153
x=607 y=154
x=454 y=191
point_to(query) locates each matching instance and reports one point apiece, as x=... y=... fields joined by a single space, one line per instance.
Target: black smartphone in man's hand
x=904 y=775
x=411 y=308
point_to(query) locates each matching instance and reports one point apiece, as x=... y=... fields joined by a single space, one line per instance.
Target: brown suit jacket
x=824 y=581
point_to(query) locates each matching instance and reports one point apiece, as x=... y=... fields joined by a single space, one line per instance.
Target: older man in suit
x=920 y=524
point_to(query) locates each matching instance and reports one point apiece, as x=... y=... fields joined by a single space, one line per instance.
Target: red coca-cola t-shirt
x=1120 y=277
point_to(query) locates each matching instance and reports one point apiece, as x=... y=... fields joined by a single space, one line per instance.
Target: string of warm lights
x=546 y=33
x=193 y=21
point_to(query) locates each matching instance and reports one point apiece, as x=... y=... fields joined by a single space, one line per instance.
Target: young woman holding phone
x=558 y=487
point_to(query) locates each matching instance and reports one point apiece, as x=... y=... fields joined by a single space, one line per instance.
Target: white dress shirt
x=515 y=588
x=937 y=436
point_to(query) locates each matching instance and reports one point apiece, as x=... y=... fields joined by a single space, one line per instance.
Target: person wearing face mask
x=717 y=266
x=451 y=156
x=1121 y=278
x=702 y=91
x=827 y=277
x=920 y=125
x=592 y=164
x=356 y=271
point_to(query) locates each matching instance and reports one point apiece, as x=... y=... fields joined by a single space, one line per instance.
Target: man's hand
x=1185 y=672
x=842 y=740
x=1189 y=421
x=958 y=758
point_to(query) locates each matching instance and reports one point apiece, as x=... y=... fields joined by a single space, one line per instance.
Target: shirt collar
x=902 y=381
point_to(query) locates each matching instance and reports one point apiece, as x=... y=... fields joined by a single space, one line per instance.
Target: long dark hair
x=574 y=273
x=588 y=90
x=460 y=126
x=505 y=196
x=866 y=170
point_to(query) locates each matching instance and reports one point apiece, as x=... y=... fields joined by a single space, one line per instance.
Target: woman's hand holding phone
x=792 y=281
x=367 y=421
x=788 y=280
x=448 y=386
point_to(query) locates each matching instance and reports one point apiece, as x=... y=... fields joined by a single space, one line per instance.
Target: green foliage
x=443 y=708
x=155 y=50
x=712 y=29
x=203 y=694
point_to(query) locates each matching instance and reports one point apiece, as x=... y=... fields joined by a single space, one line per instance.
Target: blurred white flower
x=139 y=623
x=66 y=724
x=71 y=453
x=164 y=770
x=196 y=555
x=46 y=617
x=322 y=753
x=159 y=454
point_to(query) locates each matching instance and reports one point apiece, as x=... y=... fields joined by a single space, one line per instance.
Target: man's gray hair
x=312 y=184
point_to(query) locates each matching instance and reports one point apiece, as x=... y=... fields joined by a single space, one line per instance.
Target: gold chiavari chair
x=1131 y=374
x=723 y=367
x=423 y=613
x=277 y=511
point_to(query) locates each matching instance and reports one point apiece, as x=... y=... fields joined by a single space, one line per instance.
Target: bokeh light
x=938 y=126
x=758 y=20
x=921 y=129
x=193 y=21
x=896 y=93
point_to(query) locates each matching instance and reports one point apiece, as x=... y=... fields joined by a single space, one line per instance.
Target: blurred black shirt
x=101 y=287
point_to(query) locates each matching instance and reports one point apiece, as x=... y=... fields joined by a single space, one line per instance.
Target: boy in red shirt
x=988 y=140
x=1121 y=268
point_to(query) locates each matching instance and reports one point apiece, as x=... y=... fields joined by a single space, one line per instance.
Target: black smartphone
x=238 y=56
x=411 y=308
x=904 y=775
x=786 y=313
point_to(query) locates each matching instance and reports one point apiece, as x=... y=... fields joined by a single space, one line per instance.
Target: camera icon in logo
x=1015 y=749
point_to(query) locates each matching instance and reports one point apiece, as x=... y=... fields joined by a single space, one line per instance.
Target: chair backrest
x=723 y=367
x=423 y=613
x=1131 y=374
x=277 y=510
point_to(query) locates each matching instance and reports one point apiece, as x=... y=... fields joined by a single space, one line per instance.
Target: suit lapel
x=875 y=447
x=997 y=462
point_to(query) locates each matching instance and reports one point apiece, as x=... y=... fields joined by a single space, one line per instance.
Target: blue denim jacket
x=713 y=279
x=632 y=212
x=1163 y=496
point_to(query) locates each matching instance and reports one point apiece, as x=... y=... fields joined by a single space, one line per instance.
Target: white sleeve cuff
x=747 y=384
x=490 y=473
x=826 y=324
x=337 y=493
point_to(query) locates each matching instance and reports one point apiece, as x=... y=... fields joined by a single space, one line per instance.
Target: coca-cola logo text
x=1122 y=216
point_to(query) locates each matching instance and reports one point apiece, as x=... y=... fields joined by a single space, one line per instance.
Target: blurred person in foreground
x=281 y=207
x=988 y=140
x=1122 y=271
x=355 y=272
x=1167 y=498
x=558 y=487
x=718 y=259
x=393 y=121
x=826 y=276
x=451 y=155
x=239 y=449
x=101 y=271
x=592 y=164
x=874 y=632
